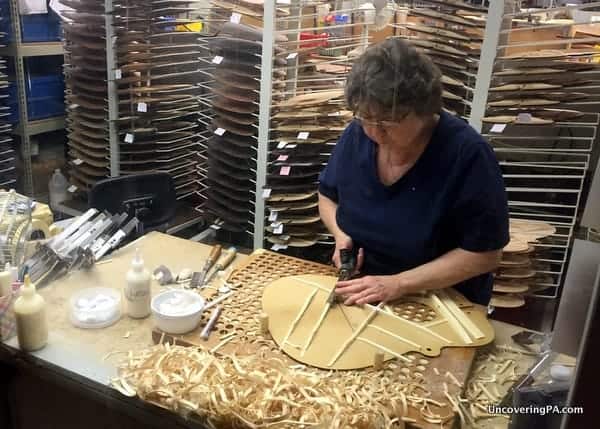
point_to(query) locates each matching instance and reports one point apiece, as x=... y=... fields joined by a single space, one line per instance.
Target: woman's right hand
x=343 y=241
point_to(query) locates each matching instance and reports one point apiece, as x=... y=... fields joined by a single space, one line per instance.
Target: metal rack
x=26 y=128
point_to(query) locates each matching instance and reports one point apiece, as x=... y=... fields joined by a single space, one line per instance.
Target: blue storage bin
x=38 y=107
x=43 y=27
x=40 y=27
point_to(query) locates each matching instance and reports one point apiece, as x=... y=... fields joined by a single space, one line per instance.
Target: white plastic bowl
x=177 y=311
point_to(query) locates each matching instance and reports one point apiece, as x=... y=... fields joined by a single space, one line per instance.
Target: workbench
x=77 y=365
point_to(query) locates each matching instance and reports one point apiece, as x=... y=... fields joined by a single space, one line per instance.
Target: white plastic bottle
x=30 y=315
x=57 y=187
x=137 y=290
x=6 y=280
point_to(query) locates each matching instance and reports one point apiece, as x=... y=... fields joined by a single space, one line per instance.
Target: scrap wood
x=257 y=390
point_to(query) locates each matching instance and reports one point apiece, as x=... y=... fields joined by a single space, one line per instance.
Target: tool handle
x=210 y=325
x=214 y=255
x=227 y=258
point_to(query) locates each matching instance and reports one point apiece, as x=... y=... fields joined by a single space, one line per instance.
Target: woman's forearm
x=449 y=269
x=327 y=210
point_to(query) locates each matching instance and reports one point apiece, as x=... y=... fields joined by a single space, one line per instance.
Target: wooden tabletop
x=93 y=354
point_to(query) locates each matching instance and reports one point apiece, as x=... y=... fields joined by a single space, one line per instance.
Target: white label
x=282 y=158
x=215 y=227
x=275 y=224
x=277 y=247
x=278 y=229
x=303 y=135
x=273 y=216
x=498 y=128
x=291 y=146
x=72 y=188
x=217 y=59
x=118 y=74
x=128 y=138
x=266 y=193
x=284 y=1
x=77 y=161
x=595 y=18
x=220 y=131
x=292 y=55
x=142 y=107
x=281 y=144
x=285 y=170
x=524 y=117
x=235 y=18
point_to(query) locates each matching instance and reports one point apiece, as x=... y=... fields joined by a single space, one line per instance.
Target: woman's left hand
x=369 y=289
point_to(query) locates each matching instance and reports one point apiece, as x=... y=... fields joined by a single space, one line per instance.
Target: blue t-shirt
x=453 y=197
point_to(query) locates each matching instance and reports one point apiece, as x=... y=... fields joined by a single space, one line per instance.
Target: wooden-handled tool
x=210 y=261
x=223 y=263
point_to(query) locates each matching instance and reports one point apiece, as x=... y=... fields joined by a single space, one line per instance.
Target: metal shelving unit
x=26 y=128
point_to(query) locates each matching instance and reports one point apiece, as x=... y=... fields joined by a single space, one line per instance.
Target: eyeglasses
x=382 y=125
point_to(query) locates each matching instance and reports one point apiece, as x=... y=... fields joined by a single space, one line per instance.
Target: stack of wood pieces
x=451 y=33
x=305 y=130
x=515 y=276
x=534 y=87
x=231 y=151
x=8 y=173
x=542 y=120
x=86 y=93
x=157 y=88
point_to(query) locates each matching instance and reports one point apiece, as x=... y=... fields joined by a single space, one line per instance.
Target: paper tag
x=77 y=161
x=128 y=138
x=275 y=224
x=285 y=170
x=142 y=107
x=524 y=117
x=215 y=227
x=291 y=146
x=266 y=193
x=72 y=188
x=303 y=135
x=284 y=1
x=281 y=144
x=273 y=216
x=217 y=59
x=278 y=229
x=118 y=74
x=498 y=128
x=282 y=157
x=220 y=131
x=277 y=247
x=235 y=18
x=292 y=56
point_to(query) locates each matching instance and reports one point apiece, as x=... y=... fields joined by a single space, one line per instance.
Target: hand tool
x=222 y=263
x=212 y=259
x=347 y=267
x=117 y=238
x=118 y=220
x=210 y=325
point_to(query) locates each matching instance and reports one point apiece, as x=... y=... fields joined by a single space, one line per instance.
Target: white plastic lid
x=95 y=308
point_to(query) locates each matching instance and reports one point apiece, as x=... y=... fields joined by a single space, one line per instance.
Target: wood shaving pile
x=260 y=391
x=495 y=370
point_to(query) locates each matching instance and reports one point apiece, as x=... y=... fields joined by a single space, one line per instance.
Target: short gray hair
x=393 y=78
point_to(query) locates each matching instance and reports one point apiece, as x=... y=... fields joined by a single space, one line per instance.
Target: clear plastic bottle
x=137 y=290
x=57 y=186
x=30 y=315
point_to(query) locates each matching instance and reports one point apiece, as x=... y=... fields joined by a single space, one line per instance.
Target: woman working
x=416 y=191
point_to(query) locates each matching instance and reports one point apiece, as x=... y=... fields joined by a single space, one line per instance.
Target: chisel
x=222 y=263
x=212 y=259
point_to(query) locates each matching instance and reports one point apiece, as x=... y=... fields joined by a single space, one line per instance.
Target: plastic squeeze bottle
x=137 y=290
x=6 y=280
x=30 y=315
